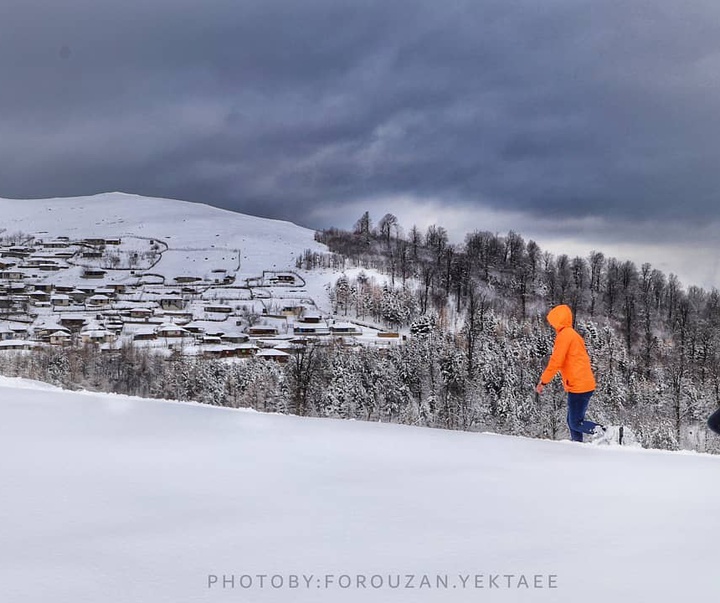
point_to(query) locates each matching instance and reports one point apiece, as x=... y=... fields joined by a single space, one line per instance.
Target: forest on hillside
x=655 y=345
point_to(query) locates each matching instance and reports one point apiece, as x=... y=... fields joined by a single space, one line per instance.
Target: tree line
x=663 y=363
x=435 y=379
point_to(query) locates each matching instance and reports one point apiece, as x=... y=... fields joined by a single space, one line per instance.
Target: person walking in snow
x=571 y=359
x=714 y=421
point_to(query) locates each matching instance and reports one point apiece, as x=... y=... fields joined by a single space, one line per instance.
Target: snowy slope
x=199 y=238
x=182 y=225
x=117 y=499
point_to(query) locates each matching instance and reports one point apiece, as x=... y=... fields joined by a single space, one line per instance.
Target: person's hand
x=539 y=388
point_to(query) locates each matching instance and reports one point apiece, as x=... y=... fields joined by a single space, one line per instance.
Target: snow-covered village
x=170 y=295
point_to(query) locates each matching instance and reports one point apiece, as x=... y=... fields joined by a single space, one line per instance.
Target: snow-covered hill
x=115 y=499
x=191 y=230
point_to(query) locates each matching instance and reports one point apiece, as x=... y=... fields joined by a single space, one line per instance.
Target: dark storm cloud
x=564 y=108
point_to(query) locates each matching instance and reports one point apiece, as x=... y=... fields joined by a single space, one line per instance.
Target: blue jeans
x=577 y=406
x=714 y=421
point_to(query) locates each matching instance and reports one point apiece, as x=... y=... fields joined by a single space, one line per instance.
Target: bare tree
x=303 y=371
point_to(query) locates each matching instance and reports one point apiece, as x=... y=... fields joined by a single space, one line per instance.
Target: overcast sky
x=579 y=123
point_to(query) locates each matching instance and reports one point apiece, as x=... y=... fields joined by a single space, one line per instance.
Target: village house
x=270 y=342
x=217 y=351
x=87 y=289
x=274 y=355
x=98 y=301
x=141 y=314
x=11 y=275
x=45 y=330
x=18 y=291
x=310 y=316
x=116 y=288
x=63 y=255
x=32 y=263
x=388 y=335
x=345 y=328
x=245 y=350
x=19 y=303
x=145 y=334
x=235 y=337
x=91 y=254
x=60 y=300
x=292 y=310
x=42 y=264
x=219 y=276
x=230 y=351
x=19 y=331
x=78 y=296
x=50 y=267
x=94 y=273
x=283 y=279
x=56 y=244
x=97 y=336
x=39 y=297
x=213 y=331
x=17 y=288
x=73 y=322
x=18 y=252
x=289 y=347
x=178 y=317
x=170 y=330
x=187 y=279
x=19 y=344
x=218 y=309
x=262 y=331
x=172 y=302
x=114 y=323
x=94 y=241
x=60 y=338
x=6 y=333
x=311 y=329
x=195 y=328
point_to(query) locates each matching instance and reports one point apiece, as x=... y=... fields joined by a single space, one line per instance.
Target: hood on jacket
x=560 y=317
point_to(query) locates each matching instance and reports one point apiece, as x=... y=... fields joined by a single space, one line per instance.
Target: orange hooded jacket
x=569 y=355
